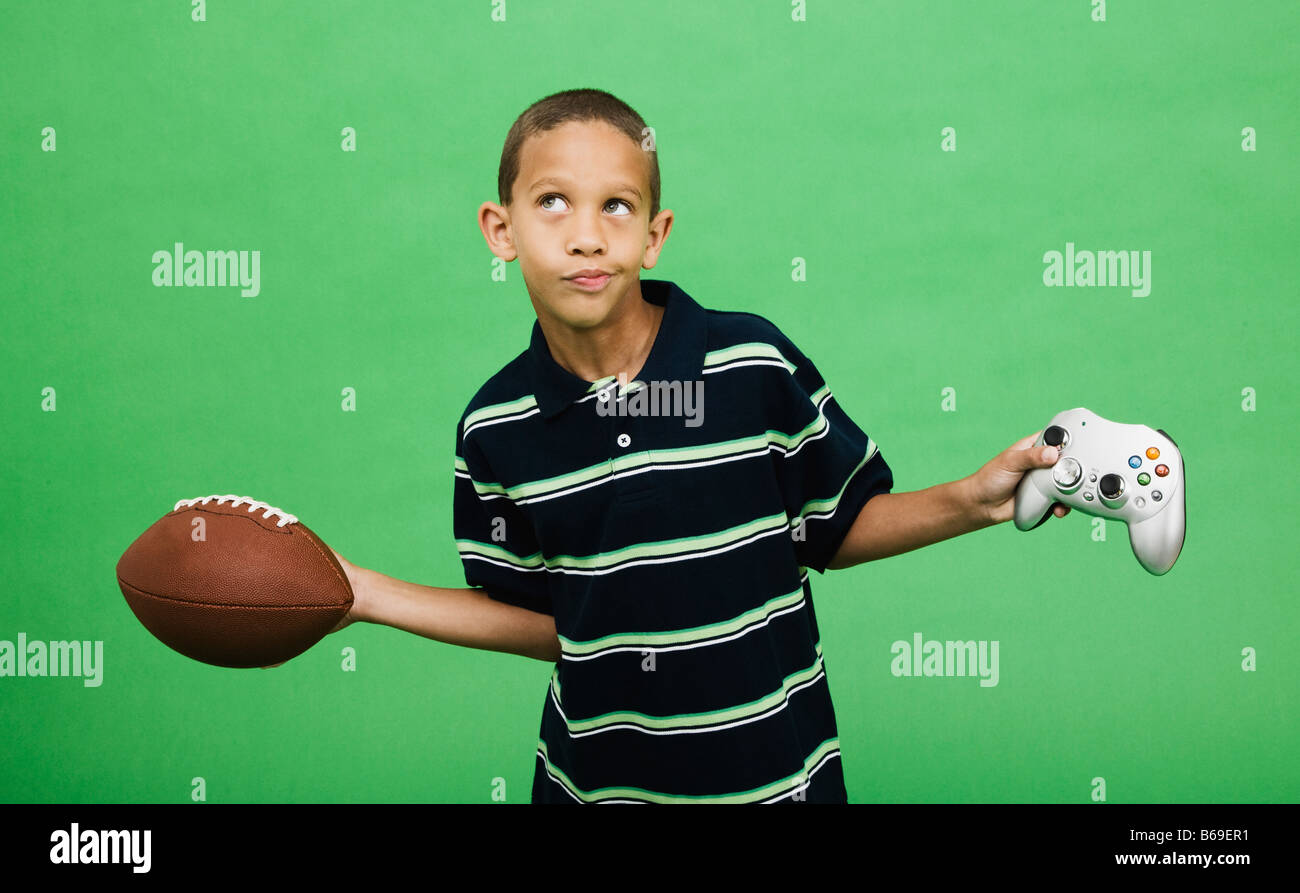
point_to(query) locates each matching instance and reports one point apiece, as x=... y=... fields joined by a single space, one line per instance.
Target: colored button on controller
x=1153 y=453
x=1162 y=470
x=1134 y=462
x=1144 y=478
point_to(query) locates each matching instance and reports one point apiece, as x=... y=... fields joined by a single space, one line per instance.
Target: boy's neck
x=621 y=345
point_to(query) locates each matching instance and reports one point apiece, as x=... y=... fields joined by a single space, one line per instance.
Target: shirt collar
x=677 y=354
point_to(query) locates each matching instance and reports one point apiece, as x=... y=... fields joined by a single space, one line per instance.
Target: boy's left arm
x=893 y=523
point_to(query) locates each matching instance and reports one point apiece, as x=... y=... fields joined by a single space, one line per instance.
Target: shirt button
x=624 y=440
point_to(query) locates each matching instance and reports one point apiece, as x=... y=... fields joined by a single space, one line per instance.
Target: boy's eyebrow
x=553 y=181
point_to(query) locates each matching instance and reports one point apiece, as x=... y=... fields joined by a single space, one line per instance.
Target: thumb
x=1042 y=457
x=1024 y=455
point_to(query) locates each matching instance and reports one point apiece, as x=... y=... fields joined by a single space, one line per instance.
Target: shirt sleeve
x=826 y=466
x=496 y=541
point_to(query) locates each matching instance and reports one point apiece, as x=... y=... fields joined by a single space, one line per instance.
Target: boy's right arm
x=468 y=617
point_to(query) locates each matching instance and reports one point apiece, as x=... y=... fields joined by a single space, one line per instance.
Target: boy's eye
x=613 y=201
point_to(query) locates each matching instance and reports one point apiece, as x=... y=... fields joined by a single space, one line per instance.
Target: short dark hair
x=573 y=105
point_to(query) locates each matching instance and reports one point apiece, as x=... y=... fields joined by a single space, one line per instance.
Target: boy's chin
x=581 y=311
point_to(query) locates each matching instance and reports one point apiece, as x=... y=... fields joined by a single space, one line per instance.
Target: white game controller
x=1131 y=473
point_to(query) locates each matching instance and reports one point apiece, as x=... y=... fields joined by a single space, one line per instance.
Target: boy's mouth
x=590 y=280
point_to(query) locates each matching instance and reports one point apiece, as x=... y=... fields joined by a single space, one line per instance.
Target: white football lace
x=254 y=505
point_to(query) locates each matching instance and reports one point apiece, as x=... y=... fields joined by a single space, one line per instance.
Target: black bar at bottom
x=216 y=841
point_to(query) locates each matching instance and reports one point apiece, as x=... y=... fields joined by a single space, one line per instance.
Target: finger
x=1023 y=455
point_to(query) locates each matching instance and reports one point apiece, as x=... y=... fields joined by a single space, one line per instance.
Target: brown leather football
x=234 y=582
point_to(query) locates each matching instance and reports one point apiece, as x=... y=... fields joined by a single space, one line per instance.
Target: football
x=234 y=582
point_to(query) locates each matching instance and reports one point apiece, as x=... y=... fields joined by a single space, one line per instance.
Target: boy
x=641 y=494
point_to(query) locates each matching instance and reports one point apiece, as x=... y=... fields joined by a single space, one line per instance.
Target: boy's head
x=579 y=190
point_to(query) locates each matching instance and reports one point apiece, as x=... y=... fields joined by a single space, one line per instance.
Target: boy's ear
x=494 y=221
x=659 y=228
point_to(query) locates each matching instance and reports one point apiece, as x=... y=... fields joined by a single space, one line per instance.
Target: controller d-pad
x=1067 y=473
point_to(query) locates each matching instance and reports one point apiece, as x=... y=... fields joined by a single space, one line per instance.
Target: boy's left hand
x=992 y=489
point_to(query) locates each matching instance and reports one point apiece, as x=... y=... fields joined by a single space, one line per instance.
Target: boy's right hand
x=354 y=582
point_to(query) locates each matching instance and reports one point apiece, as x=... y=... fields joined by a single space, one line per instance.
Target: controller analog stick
x=1111 y=486
x=1054 y=436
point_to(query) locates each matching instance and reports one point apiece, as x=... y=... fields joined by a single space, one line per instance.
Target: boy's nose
x=586 y=238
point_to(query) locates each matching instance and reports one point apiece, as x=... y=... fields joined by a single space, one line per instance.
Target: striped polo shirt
x=669 y=525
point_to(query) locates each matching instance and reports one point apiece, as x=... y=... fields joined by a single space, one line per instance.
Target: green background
x=778 y=139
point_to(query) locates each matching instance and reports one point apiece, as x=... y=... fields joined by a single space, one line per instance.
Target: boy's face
x=581 y=202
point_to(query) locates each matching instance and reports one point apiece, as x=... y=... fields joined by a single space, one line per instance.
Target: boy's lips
x=589 y=280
